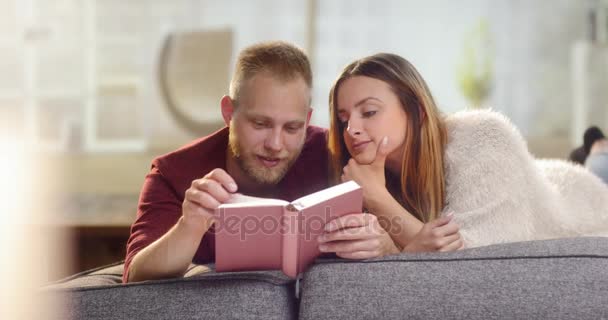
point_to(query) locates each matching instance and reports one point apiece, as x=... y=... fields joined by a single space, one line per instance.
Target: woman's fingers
x=453 y=246
x=441 y=221
x=352 y=220
x=356 y=233
x=448 y=240
x=368 y=240
x=357 y=255
x=350 y=246
x=447 y=229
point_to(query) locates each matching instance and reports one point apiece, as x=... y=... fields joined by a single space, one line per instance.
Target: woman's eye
x=368 y=114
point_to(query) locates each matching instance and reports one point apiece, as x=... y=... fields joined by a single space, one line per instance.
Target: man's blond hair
x=280 y=59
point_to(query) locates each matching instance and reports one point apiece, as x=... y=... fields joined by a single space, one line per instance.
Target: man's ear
x=308 y=116
x=227 y=109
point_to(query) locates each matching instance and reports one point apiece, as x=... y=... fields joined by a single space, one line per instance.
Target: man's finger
x=201 y=198
x=213 y=188
x=223 y=178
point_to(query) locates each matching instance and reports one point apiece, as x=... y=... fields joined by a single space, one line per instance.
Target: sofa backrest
x=563 y=278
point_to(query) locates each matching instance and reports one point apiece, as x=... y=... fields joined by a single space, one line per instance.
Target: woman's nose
x=353 y=130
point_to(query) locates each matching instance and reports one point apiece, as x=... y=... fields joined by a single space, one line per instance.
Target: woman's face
x=369 y=111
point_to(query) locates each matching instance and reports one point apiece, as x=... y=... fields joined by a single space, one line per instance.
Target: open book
x=269 y=234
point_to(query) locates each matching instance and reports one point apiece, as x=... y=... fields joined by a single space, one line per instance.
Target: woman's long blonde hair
x=422 y=180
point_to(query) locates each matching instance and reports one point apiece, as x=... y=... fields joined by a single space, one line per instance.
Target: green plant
x=475 y=71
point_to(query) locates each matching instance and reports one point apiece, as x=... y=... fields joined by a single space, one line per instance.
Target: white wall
x=427 y=33
x=532 y=45
x=534 y=40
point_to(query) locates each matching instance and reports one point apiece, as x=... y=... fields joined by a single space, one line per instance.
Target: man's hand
x=441 y=234
x=170 y=255
x=205 y=195
x=356 y=236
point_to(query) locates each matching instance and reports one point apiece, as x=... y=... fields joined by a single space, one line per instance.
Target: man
x=267 y=149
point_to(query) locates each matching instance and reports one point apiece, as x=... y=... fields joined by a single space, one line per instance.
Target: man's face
x=268 y=127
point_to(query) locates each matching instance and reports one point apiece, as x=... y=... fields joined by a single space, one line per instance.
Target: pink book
x=269 y=234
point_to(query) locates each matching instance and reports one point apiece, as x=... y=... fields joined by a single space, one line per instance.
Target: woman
x=414 y=165
x=383 y=115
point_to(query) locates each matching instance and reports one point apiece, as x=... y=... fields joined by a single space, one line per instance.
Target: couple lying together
x=439 y=183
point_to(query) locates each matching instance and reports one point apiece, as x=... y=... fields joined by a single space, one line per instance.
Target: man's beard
x=249 y=163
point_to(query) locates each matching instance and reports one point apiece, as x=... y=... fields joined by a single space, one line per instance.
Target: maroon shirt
x=160 y=201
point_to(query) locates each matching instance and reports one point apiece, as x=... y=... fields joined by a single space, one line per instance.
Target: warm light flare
x=24 y=241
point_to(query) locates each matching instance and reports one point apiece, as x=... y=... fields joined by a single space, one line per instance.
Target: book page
x=248 y=235
x=325 y=194
x=313 y=219
x=238 y=200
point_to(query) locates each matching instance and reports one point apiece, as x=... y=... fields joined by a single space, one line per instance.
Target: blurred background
x=91 y=91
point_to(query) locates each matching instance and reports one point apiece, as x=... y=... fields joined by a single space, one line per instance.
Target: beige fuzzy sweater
x=500 y=193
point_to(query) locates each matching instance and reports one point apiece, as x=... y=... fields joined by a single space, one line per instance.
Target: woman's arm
x=409 y=233
x=361 y=236
x=401 y=225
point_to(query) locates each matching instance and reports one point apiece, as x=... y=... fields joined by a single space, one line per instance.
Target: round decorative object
x=193 y=75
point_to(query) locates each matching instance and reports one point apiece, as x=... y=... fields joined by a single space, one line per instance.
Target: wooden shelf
x=95 y=190
x=102 y=173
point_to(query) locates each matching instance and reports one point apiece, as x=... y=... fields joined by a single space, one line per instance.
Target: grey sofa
x=552 y=279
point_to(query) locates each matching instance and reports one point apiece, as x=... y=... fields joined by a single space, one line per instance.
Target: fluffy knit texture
x=500 y=193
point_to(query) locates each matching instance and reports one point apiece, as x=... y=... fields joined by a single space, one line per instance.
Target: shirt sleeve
x=158 y=210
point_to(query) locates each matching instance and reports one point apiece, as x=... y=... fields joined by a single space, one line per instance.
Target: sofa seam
x=171 y=281
x=344 y=261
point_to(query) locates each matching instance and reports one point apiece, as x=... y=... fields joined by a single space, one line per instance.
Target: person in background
x=579 y=155
x=597 y=159
x=593 y=153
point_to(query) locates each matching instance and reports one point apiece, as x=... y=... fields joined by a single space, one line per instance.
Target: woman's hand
x=356 y=236
x=441 y=234
x=369 y=176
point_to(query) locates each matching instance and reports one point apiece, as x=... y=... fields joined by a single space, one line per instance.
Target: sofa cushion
x=563 y=278
x=106 y=275
x=201 y=294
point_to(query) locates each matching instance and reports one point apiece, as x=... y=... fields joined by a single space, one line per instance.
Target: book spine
x=291 y=239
